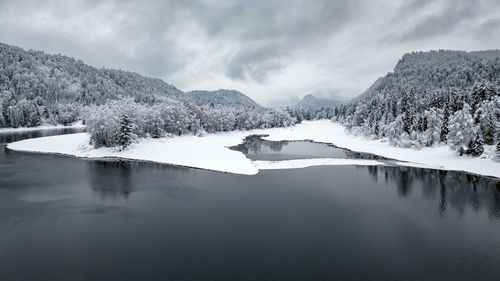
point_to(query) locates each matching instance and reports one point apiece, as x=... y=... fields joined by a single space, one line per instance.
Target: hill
x=432 y=97
x=310 y=102
x=221 y=97
x=36 y=87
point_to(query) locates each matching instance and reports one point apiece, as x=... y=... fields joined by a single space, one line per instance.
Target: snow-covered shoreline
x=77 y=125
x=212 y=151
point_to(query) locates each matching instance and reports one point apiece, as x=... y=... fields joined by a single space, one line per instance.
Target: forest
x=117 y=106
x=432 y=98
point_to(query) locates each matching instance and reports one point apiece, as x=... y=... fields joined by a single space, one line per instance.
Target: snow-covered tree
x=497 y=151
x=125 y=136
x=444 y=127
x=476 y=147
x=461 y=130
x=434 y=125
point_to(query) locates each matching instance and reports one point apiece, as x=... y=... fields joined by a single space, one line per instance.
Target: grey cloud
x=256 y=63
x=489 y=28
x=443 y=22
x=270 y=49
x=295 y=25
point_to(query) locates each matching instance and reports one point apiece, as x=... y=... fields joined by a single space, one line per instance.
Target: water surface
x=63 y=218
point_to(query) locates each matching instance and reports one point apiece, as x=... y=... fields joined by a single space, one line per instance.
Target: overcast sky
x=272 y=50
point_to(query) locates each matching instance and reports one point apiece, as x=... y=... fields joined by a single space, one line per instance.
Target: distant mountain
x=221 y=97
x=313 y=103
x=433 y=97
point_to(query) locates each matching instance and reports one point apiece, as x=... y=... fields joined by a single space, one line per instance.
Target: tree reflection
x=111 y=179
x=12 y=136
x=117 y=179
x=452 y=190
x=255 y=144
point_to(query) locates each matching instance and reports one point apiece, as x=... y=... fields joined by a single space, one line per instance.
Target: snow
x=77 y=125
x=211 y=151
x=303 y=163
x=439 y=157
x=208 y=152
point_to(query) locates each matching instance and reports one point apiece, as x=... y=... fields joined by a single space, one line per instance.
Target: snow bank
x=77 y=125
x=303 y=163
x=440 y=157
x=208 y=152
x=211 y=151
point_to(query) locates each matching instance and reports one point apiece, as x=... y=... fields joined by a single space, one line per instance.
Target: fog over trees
x=437 y=97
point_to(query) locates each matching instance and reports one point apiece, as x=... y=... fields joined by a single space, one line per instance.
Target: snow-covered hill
x=221 y=97
x=310 y=102
x=37 y=87
x=432 y=98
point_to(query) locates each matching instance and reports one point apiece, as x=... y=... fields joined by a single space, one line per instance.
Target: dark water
x=255 y=148
x=63 y=218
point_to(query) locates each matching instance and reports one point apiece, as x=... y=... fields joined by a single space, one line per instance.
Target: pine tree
x=496 y=157
x=497 y=151
x=444 y=128
x=488 y=130
x=476 y=147
x=125 y=136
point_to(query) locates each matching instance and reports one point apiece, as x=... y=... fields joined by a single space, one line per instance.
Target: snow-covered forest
x=437 y=97
x=117 y=123
x=38 y=88
x=313 y=108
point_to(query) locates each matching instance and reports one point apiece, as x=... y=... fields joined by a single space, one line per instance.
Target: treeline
x=118 y=123
x=438 y=97
x=312 y=113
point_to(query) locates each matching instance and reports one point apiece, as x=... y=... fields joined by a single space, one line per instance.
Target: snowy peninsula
x=212 y=151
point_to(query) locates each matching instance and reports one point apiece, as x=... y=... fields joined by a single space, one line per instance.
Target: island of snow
x=212 y=151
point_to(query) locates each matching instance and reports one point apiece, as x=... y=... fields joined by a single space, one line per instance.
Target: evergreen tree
x=497 y=151
x=476 y=146
x=488 y=130
x=496 y=157
x=444 y=128
x=125 y=135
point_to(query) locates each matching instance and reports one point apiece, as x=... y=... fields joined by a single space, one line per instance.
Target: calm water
x=63 y=218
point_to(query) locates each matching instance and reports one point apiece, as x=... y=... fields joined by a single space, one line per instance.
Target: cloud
x=270 y=49
x=256 y=63
x=443 y=22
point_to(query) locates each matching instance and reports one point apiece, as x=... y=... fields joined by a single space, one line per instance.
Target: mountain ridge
x=81 y=81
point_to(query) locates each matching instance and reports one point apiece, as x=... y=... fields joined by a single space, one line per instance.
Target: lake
x=63 y=218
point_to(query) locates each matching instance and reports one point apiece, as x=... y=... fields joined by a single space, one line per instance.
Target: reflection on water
x=452 y=191
x=116 y=179
x=7 y=137
x=256 y=148
x=110 y=180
